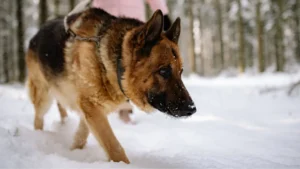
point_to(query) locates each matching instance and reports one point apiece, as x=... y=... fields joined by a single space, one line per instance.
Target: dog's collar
x=97 y=39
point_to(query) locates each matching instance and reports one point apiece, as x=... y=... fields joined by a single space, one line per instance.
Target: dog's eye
x=165 y=72
x=174 y=53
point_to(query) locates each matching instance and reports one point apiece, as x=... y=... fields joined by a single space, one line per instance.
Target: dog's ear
x=70 y=20
x=174 y=32
x=151 y=31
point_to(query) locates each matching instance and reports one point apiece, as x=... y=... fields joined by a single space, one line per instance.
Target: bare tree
x=71 y=4
x=192 y=40
x=5 y=33
x=241 y=38
x=296 y=9
x=220 y=31
x=56 y=7
x=202 y=72
x=213 y=49
x=232 y=29
x=43 y=12
x=260 y=35
x=11 y=43
x=279 y=46
x=20 y=38
x=1 y=44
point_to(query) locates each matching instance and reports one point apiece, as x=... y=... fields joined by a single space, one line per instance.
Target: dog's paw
x=63 y=120
x=77 y=146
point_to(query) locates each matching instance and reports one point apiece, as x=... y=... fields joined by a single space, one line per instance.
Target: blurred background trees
x=218 y=36
x=237 y=36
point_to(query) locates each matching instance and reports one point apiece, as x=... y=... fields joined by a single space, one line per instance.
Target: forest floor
x=242 y=122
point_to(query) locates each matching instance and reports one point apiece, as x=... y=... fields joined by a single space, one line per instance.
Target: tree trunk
x=1 y=46
x=201 y=64
x=277 y=53
x=220 y=31
x=214 y=53
x=5 y=32
x=5 y=58
x=249 y=54
x=280 y=59
x=248 y=47
x=192 y=39
x=232 y=28
x=297 y=29
x=71 y=4
x=260 y=35
x=56 y=6
x=268 y=49
x=20 y=38
x=11 y=42
x=241 y=38
x=43 y=12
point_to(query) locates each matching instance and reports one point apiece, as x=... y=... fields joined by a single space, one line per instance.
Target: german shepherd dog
x=101 y=62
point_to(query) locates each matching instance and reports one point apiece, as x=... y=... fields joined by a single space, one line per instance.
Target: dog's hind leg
x=62 y=111
x=41 y=99
x=81 y=135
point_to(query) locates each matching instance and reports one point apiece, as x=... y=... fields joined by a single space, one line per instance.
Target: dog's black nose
x=189 y=110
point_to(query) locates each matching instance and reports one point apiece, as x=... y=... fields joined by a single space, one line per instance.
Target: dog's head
x=152 y=77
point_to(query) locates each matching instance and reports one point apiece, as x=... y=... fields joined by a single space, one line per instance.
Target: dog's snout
x=189 y=110
x=192 y=108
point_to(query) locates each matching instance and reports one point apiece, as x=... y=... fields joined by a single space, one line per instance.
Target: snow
x=236 y=126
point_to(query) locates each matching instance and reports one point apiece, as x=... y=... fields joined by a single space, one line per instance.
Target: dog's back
x=48 y=45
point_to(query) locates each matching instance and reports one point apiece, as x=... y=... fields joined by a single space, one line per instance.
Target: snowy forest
x=231 y=36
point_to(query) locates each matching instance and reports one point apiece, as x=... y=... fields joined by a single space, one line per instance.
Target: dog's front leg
x=98 y=124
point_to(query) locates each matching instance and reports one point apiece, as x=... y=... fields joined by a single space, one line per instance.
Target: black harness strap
x=120 y=71
x=96 y=39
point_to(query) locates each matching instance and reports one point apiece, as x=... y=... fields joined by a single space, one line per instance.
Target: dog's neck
x=108 y=33
x=116 y=50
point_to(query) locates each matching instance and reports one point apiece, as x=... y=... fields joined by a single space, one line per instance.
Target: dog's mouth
x=175 y=112
x=179 y=112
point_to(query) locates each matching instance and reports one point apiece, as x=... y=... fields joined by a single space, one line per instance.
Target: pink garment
x=130 y=8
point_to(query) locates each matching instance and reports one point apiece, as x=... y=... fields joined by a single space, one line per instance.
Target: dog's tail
x=83 y=5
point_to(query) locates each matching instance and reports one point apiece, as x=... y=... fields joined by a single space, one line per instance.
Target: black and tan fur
x=82 y=75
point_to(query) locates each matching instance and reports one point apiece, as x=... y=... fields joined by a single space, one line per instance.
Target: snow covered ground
x=239 y=124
